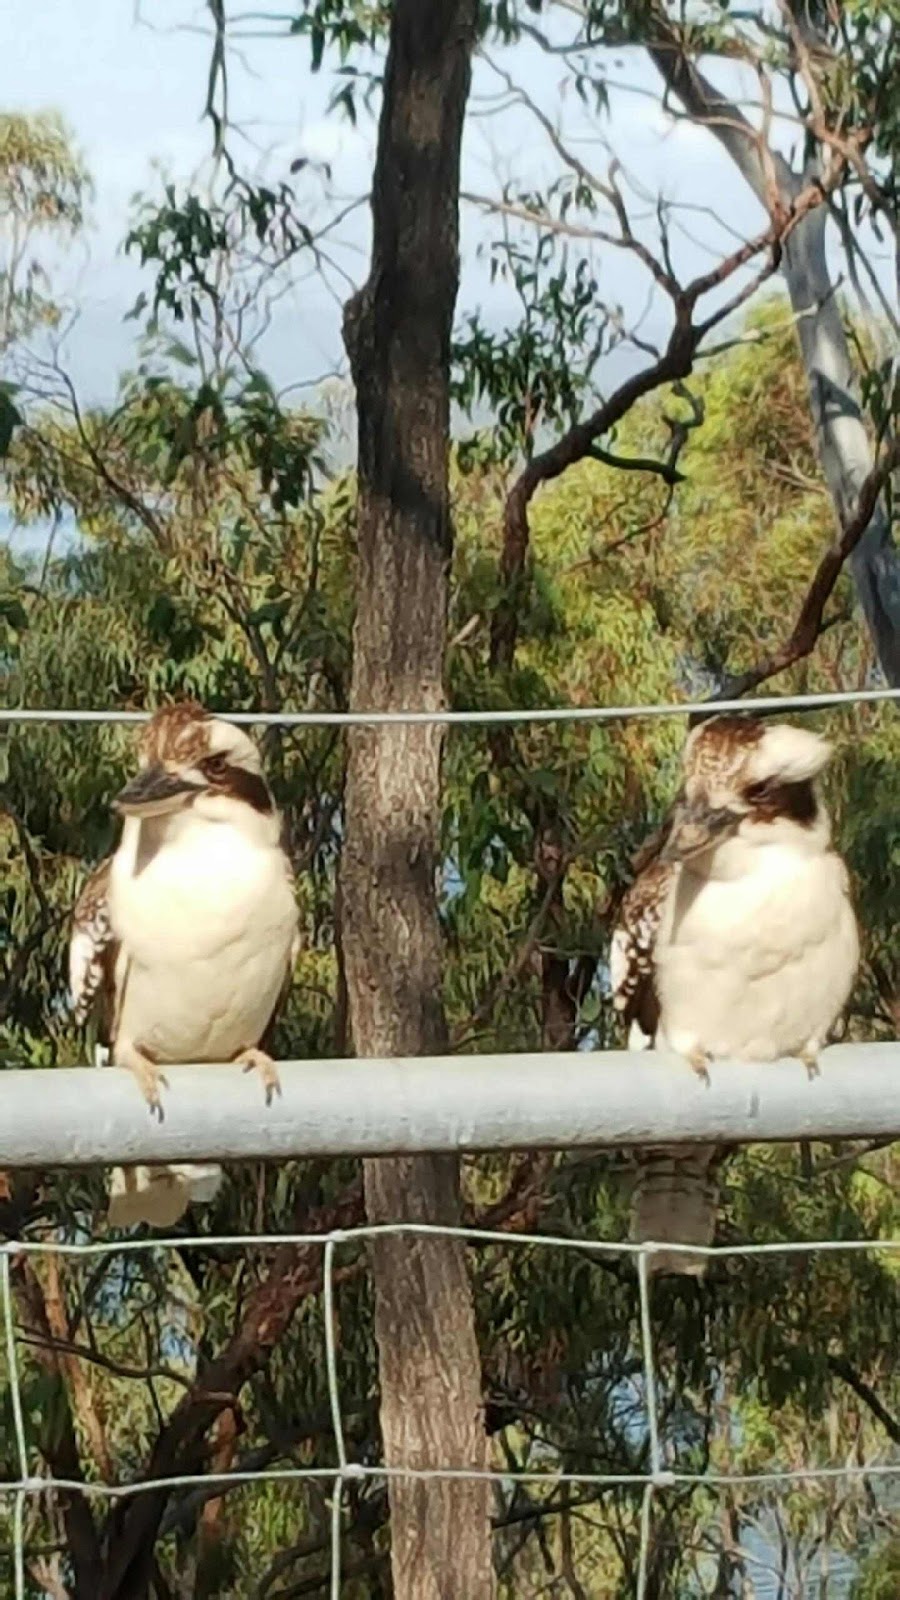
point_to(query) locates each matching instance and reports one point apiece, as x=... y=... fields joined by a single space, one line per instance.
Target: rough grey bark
x=844 y=449
x=843 y=444
x=397 y=332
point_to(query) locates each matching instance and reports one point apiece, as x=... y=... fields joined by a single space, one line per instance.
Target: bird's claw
x=698 y=1061
x=257 y=1061
x=810 y=1060
x=150 y=1079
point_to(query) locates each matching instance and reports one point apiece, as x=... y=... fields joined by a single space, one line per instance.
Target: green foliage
x=43 y=190
x=42 y=181
x=184 y=238
x=342 y=25
x=215 y=557
x=880 y=1576
x=230 y=593
x=538 y=373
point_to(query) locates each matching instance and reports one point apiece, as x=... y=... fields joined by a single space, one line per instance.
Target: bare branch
x=810 y=624
x=711 y=109
x=661 y=469
x=675 y=363
x=866 y=1393
x=296 y=1274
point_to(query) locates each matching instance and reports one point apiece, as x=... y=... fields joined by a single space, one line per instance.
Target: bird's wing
x=631 y=950
x=92 y=955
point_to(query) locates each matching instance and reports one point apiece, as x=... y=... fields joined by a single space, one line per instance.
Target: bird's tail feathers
x=159 y=1196
x=675 y=1201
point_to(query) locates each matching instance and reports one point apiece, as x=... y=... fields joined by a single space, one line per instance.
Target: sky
x=130 y=81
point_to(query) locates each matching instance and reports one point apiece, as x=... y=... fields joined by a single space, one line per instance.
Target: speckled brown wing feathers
x=92 y=956
x=631 y=953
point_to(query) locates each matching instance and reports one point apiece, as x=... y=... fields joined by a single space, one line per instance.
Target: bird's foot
x=257 y=1061
x=810 y=1059
x=698 y=1061
x=149 y=1077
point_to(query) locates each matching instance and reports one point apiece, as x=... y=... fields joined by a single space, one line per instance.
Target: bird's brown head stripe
x=178 y=735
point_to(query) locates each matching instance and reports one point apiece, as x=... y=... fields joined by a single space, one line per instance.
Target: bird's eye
x=755 y=793
x=214 y=766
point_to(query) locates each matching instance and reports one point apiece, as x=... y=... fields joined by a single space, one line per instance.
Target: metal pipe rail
x=85 y=1116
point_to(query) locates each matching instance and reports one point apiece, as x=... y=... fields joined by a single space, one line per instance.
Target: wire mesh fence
x=662 y=1475
x=659 y=1478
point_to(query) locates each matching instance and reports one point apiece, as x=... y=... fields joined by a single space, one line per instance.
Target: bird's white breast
x=206 y=918
x=758 y=964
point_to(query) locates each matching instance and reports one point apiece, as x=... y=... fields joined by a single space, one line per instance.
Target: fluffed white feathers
x=183 y=942
x=792 y=755
x=739 y=941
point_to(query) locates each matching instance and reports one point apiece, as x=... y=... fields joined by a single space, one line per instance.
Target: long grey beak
x=697 y=827
x=155 y=792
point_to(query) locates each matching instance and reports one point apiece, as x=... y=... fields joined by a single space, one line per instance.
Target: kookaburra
x=737 y=940
x=184 y=940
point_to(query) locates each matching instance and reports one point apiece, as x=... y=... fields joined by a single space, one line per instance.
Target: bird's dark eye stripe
x=237 y=782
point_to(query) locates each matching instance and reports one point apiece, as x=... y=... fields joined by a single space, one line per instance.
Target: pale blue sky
x=130 y=83
x=132 y=95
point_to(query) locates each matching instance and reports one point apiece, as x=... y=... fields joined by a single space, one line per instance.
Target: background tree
x=398 y=338
x=216 y=555
x=810 y=99
x=43 y=189
x=558 y=1336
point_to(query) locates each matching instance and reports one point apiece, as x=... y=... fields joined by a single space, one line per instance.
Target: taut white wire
x=483 y=718
x=649 y=1365
x=19 y=1544
x=644 y=1556
x=337 y=1421
x=337 y=1496
x=334 y=1397
x=624 y=1247
x=657 y=1476
x=379 y=1472
x=12 y=1362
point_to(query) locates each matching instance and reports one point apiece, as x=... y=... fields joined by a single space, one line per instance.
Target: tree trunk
x=397 y=331
x=843 y=445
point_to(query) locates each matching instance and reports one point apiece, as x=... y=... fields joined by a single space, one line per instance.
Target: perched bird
x=737 y=940
x=183 y=941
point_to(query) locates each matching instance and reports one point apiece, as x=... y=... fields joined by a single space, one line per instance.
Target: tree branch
x=133 y=1525
x=842 y=1369
x=810 y=621
x=662 y=469
x=675 y=364
x=59 y=1443
x=767 y=174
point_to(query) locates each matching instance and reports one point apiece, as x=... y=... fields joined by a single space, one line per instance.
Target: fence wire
x=658 y=1479
x=487 y=717
x=655 y=1482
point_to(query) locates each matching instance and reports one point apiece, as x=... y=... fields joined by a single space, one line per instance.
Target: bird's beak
x=155 y=792
x=696 y=827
